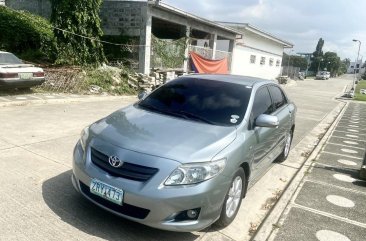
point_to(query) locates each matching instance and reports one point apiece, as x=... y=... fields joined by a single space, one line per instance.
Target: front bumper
x=151 y=203
x=19 y=83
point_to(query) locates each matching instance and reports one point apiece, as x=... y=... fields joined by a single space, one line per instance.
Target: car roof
x=3 y=52
x=237 y=79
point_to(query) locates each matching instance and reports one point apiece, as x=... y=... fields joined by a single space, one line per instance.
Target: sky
x=301 y=22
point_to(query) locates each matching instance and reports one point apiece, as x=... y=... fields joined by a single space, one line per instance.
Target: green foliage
x=78 y=17
x=120 y=53
x=110 y=79
x=319 y=48
x=345 y=63
x=27 y=35
x=317 y=56
x=168 y=53
x=361 y=85
x=331 y=62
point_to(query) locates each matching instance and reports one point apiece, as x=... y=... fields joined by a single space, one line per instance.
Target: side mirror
x=267 y=121
x=142 y=95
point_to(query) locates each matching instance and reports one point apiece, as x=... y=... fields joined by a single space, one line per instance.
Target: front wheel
x=233 y=199
x=286 y=149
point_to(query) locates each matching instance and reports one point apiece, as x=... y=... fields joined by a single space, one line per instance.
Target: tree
x=295 y=61
x=317 y=56
x=78 y=18
x=345 y=63
x=331 y=62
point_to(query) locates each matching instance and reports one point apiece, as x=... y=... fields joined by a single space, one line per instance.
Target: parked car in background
x=15 y=74
x=183 y=156
x=322 y=75
x=327 y=73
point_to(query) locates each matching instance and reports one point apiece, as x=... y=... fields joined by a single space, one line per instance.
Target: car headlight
x=195 y=173
x=84 y=135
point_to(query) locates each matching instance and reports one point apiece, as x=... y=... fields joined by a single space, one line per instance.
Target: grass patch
x=361 y=85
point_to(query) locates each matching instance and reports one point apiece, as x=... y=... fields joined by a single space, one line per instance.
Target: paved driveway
x=39 y=203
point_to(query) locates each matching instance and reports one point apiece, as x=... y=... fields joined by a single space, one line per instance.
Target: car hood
x=164 y=136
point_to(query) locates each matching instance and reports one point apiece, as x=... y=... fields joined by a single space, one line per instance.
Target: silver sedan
x=183 y=156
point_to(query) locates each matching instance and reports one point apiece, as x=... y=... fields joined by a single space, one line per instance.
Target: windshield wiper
x=182 y=114
x=150 y=107
x=156 y=109
x=196 y=117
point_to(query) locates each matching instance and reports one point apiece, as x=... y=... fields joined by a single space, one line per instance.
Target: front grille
x=126 y=209
x=127 y=170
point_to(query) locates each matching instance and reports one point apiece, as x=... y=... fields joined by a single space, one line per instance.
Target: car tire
x=286 y=149
x=233 y=199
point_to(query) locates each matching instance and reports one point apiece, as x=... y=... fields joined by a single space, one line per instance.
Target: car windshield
x=8 y=58
x=209 y=101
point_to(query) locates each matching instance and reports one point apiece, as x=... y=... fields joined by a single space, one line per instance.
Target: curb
x=64 y=100
x=270 y=224
x=363 y=169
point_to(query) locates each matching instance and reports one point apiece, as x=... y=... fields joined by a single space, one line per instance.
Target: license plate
x=25 y=75
x=106 y=191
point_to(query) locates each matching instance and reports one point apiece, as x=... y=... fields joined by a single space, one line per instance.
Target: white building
x=257 y=53
x=358 y=67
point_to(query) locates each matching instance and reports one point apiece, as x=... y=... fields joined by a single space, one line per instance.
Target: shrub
x=78 y=18
x=27 y=35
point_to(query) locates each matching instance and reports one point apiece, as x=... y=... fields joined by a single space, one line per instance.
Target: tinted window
x=7 y=58
x=215 y=102
x=262 y=103
x=277 y=96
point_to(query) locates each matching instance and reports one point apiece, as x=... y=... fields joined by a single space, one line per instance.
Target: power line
x=98 y=40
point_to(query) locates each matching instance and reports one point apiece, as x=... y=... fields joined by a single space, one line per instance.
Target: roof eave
x=258 y=31
x=192 y=16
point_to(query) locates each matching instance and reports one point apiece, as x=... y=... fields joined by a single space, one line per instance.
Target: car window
x=8 y=58
x=278 y=97
x=262 y=103
x=216 y=102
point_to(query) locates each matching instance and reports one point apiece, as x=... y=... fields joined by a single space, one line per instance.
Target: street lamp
x=358 y=54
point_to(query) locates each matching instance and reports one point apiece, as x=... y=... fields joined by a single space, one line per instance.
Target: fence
x=290 y=71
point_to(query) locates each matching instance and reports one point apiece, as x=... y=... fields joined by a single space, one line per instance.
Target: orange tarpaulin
x=202 y=65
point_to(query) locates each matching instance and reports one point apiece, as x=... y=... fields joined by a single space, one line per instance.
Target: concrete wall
x=122 y=17
x=241 y=64
x=39 y=7
x=118 y=16
x=253 y=40
x=259 y=46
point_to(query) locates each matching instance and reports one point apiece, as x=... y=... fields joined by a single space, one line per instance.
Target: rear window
x=210 y=101
x=8 y=58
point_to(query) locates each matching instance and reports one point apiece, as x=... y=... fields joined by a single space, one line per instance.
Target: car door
x=261 y=139
x=283 y=113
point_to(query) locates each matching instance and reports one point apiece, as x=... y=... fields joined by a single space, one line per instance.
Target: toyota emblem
x=114 y=161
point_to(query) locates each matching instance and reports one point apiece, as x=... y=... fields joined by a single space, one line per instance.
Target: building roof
x=256 y=30
x=180 y=12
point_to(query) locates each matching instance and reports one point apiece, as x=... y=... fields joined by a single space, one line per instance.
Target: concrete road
x=38 y=201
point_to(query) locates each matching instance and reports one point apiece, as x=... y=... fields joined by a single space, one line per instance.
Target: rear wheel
x=286 y=149
x=233 y=199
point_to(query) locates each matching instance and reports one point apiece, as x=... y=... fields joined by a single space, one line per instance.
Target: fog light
x=192 y=214
x=187 y=215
